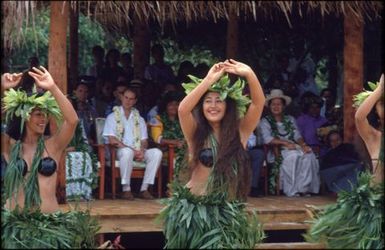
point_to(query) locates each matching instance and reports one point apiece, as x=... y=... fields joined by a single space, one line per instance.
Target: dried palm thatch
x=118 y=13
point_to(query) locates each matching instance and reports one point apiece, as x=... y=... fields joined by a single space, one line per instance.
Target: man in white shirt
x=127 y=130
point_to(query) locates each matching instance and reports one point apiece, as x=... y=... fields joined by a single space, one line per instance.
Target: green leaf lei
x=172 y=130
x=222 y=87
x=289 y=128
x=14 y=179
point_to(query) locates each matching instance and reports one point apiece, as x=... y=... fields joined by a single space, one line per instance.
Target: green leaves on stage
x=355 y=221
x=208 y=221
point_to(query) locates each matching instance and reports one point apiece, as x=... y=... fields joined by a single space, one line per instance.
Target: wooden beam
x=57 y=50
x=141 y=49
x=57 y=66
x=74 y=46
x=353 y=70
x=232 y=35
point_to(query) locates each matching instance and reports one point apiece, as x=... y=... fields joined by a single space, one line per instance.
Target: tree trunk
x=57 y=66
x=74 y=46
x=353 y=70
x=141 y=51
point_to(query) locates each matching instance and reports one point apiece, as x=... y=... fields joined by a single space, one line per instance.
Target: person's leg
x=126 y=158
x=153 y=158
x=257 y=157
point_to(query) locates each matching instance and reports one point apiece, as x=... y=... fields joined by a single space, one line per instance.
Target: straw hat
x=277 y=93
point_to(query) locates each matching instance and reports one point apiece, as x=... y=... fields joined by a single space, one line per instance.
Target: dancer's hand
x=237 y=68
x=380 y=86
x=9 y=80
x=42 y=78
x=215 y=72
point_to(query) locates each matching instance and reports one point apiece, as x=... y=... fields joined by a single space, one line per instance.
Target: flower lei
x=120 y=127
x=289 y=128
x=222 y=87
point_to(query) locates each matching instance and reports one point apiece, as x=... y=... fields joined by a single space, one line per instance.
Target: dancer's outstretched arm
x=43 y=79
x=251 y=119
x=364 y=129
x=186 y=106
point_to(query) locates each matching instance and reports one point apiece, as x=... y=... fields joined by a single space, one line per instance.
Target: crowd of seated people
x=289 y=135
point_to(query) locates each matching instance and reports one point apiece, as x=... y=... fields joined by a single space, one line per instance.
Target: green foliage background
x=35 y=43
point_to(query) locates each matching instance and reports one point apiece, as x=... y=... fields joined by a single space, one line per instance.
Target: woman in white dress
x=295 y=163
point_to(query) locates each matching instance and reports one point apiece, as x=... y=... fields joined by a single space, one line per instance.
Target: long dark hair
x=230 y=149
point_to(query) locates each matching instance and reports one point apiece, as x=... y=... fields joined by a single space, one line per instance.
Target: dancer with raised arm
x=355 y=221
x=208 y=212
x=31 y=216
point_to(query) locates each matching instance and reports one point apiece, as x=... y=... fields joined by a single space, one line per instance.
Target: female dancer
x=355 y=221
x=30 y=178
x=207 y=212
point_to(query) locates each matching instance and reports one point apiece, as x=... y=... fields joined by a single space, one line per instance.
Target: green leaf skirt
x=355 y=221
x=22 y=229
x=208 y=221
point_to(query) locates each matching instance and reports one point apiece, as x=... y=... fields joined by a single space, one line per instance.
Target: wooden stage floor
x=275 y=212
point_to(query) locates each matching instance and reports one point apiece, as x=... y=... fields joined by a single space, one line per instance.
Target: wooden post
x=74 y=46
x=353 y=70
x=57 y=66
x=57 y=51
x=141 y=49
x=232 y=35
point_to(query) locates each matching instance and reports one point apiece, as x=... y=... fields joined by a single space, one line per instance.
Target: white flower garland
x=119 y=126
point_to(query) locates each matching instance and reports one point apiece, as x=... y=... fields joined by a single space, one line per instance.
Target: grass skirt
x=208 y=221
x=22 y=229
x=355 y=221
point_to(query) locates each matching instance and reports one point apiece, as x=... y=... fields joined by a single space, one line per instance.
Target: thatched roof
x=117 y=13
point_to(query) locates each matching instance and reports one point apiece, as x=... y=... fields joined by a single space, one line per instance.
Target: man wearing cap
x=294 y=163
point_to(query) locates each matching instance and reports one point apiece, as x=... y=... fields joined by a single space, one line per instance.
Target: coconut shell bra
x=206 y=157
x=47 y=166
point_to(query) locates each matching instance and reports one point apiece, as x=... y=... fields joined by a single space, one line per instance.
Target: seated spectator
x=127 y=131
x=143 y=98
x=112 y=70
x=125 y=61
x=303 y=83
x=257 y=156
x=165 y=129
x=185 y=68
x=340 y=165
x=201 y=70
x=329 y=110
x=155 y=109
x=105 y=97
x=97 y=68
x=85 y=111
x=159 y=72
x=295 y=164
x=311 y=120
x=117 y=93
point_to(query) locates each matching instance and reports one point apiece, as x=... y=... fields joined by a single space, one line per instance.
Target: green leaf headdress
x=222 y=86
x=361 y=97
x=18 y=103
